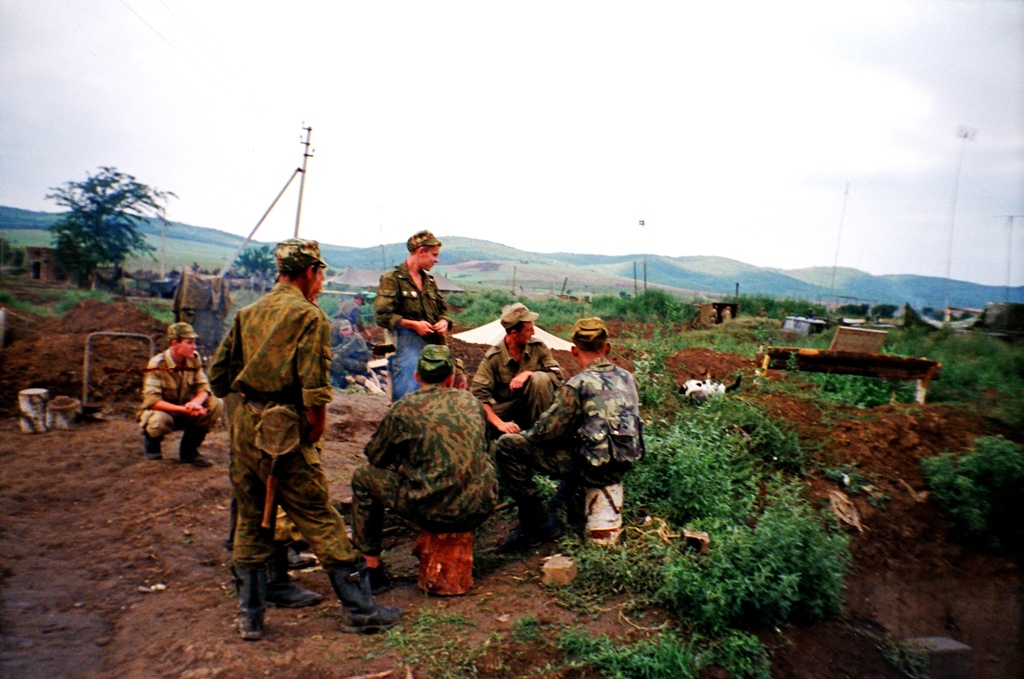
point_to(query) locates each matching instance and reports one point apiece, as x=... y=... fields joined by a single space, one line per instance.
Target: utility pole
x=645 y=260
x=1009 y=255
x=967 y=134
x=835 y=262
x=306 y=155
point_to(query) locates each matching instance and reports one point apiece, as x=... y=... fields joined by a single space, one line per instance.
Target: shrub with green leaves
x=670 y=655
x=982 y=493
x=782 y=566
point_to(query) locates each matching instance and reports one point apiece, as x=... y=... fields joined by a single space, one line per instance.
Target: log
x=33 y=410
x=62 y=411
x=446 y=562
x=851 y=363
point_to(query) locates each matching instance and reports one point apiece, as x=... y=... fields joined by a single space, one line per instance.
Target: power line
x=172 y=45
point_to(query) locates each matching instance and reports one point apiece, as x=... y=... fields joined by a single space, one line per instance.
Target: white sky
x=730 y=128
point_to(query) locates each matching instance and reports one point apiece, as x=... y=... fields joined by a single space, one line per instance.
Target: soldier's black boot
x=151 y=447
x=188 y=452
x=252 y=601
x=366 y=616
x=536 y=526
x=380 y=579
x=281 y=591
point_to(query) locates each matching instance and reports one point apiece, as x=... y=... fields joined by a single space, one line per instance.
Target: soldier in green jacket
x=428 y=462
x=517 y=378
x=277 y=355
x=413 y=311
x=590 y=437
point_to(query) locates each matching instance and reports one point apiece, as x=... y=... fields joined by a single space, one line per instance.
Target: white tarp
x=492 y=333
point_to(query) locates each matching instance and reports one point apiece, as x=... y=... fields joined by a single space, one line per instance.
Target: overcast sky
x=730 y=128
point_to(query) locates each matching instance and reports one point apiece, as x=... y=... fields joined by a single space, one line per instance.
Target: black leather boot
x=188 y=453
x=536 y=526
x=151 y=447
x=281 y=591
x=252 y=601
x=352 y=585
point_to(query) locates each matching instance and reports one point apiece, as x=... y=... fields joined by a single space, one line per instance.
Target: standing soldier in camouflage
x=352 y=311
x=410 y=307
x=277 y=355
x=518 y=376
x=428 y=462
x=176 y=395
x=590 y=437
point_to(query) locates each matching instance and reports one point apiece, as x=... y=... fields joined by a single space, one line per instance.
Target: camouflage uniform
x=428 y=462
x=495 y=372
x=277 y=354
x=165 y=381
x=353 y=313
x=398 y=298
x=350 y=358
x=592 y=433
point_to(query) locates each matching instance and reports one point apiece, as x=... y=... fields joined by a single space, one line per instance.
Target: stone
x=947 y=658
x=558 y=570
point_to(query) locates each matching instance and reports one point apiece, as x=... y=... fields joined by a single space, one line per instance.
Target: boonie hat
x=180 y=331
x=516 y=313
x=589 y=334
x=421 y=239
x=436 y=363
x=295 y=254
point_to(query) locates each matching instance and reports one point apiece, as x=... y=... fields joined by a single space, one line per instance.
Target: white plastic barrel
x=604 y=514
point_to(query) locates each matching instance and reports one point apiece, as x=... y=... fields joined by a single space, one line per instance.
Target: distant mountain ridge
x=474 y=262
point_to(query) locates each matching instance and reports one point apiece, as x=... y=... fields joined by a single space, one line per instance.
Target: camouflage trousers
x=302 y=493
x=158 y=424
x=375 y=489
x=533 y=399
x=518 y=460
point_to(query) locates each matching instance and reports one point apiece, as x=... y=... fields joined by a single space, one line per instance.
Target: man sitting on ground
x=176 y=395
x=350 y=358
x=590 y=437
x=517 y=378
x=427 y=461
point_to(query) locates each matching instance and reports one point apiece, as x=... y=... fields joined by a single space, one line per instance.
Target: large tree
x=257 y=260
x=103 y=224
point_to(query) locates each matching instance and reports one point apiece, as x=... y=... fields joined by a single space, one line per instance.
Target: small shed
x=41 y=266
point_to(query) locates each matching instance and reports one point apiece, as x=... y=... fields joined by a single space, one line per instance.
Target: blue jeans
x=402 y=363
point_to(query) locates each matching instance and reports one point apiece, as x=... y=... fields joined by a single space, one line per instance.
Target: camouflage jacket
x=599 y=410
x=350 y=356
x=398 y=298
x=496 y=370
x=278 y=348
x=164 y=381
x=435 y=439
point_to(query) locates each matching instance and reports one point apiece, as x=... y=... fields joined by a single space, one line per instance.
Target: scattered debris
x=844 y=510
x=558 y=570
x=919 y=496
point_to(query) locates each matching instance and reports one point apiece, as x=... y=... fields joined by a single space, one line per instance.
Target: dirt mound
x=700 y=364
x=51 y=355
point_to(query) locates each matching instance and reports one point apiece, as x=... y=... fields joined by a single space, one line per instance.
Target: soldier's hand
x=423 y=328
x=508 y=428
x=520 y=380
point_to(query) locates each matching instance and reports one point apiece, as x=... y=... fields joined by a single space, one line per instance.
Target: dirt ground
x=88 y=525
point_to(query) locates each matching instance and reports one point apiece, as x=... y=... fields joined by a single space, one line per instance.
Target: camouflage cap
x=516 y=313
x=436 y=363
x=343 y=324
x=295 y=254
x=421 y=239
x=589 y=334
x=180 y=331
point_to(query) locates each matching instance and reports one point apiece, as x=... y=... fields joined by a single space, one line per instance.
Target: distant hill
x=474 y=263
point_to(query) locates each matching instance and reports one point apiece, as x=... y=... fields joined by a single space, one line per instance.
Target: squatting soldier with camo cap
x=176 y=395
x=410 y=307
x=428 y=462
x=517 y=378
x=277 y=355
x=589 y=438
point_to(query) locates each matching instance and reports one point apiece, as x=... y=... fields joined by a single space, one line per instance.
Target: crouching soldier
x=428 y=462
x=176 y=395
x=589 y=438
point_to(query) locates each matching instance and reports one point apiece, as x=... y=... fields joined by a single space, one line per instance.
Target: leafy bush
x=669 y=655
x=861 y=392
x=781 y=567
x=72 y=297
x=981 y=493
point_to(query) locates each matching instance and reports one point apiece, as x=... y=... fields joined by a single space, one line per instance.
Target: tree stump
x=446 y=562
x=33 y=410
x=61 y=412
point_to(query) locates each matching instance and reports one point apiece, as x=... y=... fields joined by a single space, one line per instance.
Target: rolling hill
x=475 y=263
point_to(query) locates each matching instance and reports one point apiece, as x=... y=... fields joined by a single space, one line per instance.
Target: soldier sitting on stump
x=428 y=462
x=589 y=438
x=176 y=394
